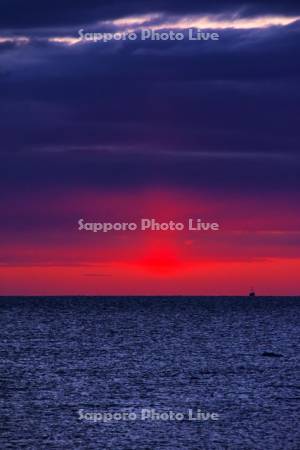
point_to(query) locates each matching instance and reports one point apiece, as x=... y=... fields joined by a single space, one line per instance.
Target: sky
x=122 y=130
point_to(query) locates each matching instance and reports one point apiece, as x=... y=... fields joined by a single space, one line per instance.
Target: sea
x=149 y=373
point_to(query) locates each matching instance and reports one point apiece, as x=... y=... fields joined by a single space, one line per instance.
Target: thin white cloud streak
x=161 y=21
x=158 y=22
x=14 y=40
x=67 y=40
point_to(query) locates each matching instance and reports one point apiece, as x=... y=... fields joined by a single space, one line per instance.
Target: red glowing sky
x=43 y=253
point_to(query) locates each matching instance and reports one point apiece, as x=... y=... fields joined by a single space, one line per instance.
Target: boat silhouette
x=252 y=293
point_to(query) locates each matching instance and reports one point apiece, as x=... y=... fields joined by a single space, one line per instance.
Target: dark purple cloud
x=36 y=14
x=220 y=115
x=151 y=96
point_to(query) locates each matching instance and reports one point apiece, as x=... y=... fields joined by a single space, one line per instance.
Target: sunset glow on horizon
x=53 y=257
x=202 y=126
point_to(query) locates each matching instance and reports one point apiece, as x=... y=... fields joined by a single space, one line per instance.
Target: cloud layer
x=83 y=125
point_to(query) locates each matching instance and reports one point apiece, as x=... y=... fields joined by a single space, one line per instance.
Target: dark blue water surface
x=236 y=357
